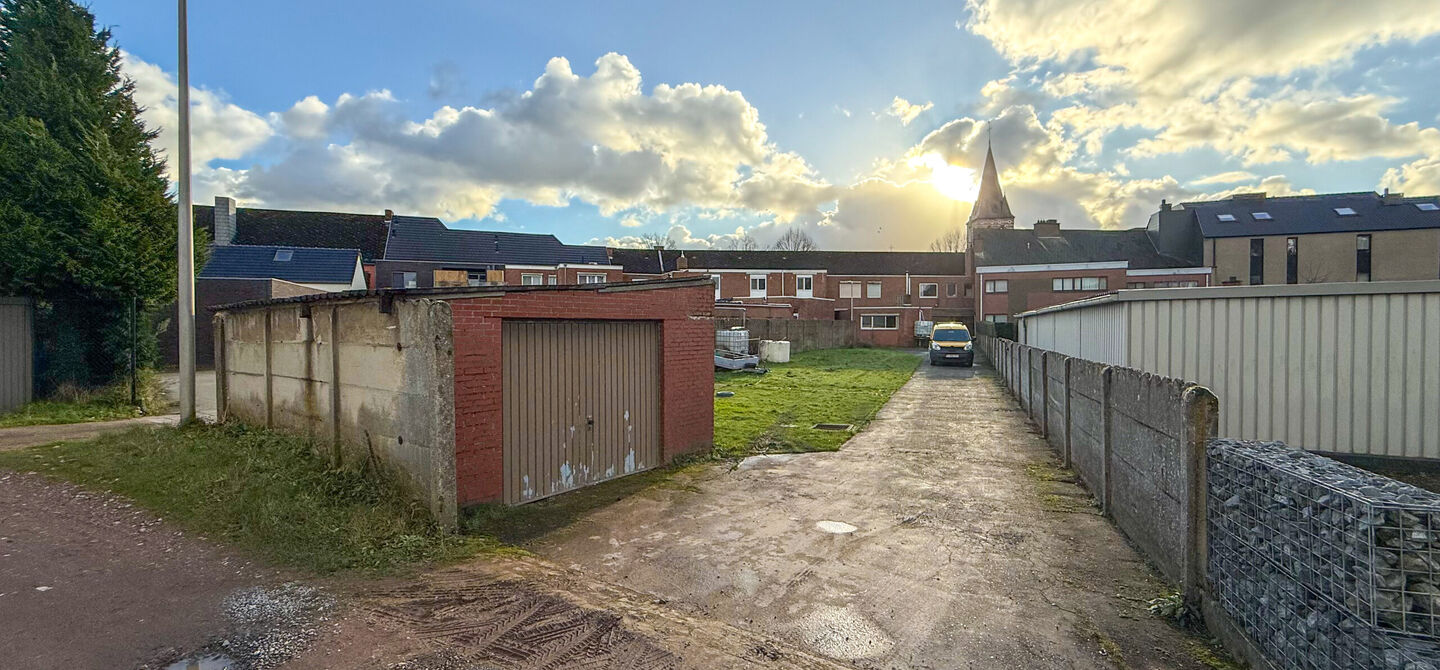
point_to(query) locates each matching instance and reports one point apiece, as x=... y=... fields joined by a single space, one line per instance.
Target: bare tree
x=652 y=240
x=741 y=242
x=952 y=240
x=795 y=239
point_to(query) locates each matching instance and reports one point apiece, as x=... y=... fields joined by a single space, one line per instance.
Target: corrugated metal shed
x=16 y=352
x=1343 y=368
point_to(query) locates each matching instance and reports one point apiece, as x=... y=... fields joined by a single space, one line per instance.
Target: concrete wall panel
x=1087 y=422
x=1148 y=484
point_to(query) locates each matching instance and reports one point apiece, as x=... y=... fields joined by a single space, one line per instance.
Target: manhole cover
x=833 y=426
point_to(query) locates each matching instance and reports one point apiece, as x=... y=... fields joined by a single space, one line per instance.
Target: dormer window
x=1226 y=218
x=1261 y=216
x=282 y=255
x=1344 y=211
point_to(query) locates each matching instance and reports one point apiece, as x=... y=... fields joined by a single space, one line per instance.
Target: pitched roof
x=415 y=238
x=1024 y=247
x=330 y=230
x=1298 y=215
x=305 y=264
x=647 y=261
x=990 y=203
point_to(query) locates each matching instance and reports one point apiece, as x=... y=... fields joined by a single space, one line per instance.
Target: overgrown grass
x=773 y=413
x=75 y=405
x=265 y=492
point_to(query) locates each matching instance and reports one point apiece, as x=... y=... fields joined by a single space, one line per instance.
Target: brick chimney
x=682 y=263
x=389 y=216
x=1047 y=228
x=224 y=220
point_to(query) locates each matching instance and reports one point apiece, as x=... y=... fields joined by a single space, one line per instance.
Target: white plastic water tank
x=737 y=341
x=775 y=351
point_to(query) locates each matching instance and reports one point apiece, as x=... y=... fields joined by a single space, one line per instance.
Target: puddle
x=837 y=527
x=841 y=633
x=207 y=662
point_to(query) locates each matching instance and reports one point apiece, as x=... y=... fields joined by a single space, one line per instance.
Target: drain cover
x=833 y=426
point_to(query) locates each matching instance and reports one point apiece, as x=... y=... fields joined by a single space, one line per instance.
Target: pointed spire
x=991 y=202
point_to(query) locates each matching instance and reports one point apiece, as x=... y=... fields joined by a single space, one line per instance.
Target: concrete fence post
x=269 y=374
x=221 y=366
x=335 y=452
x=1069 y=428
x=1201 y=424
x=1107 y=407
x=1045 y=394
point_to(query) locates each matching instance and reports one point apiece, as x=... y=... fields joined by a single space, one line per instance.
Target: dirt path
x=89 y=581
x=937 y=538
x=32 y=436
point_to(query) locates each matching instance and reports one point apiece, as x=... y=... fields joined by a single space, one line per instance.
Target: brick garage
x=683 y=311
x=426 y=381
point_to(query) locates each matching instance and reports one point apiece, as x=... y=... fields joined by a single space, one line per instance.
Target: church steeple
x=991 y=209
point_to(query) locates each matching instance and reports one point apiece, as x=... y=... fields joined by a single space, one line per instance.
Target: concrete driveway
x=940 y=537
x=204 y=391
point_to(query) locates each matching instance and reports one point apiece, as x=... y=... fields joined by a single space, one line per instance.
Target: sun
x=952 y=181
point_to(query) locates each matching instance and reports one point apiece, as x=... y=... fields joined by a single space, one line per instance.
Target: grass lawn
x=262 y=491
x=83 y=406
x=774 y=412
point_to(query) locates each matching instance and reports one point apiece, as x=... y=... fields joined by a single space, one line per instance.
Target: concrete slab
x=968 y=548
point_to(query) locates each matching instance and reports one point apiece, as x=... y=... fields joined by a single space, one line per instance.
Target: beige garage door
x=581 y=404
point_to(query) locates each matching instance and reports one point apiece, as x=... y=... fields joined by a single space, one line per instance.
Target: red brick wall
x=687 y=367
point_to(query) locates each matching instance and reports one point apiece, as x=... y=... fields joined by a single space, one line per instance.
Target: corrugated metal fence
x=1341 y=368
x=17 y=352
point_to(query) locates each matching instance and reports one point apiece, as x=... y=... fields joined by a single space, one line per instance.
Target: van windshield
x=951 y=335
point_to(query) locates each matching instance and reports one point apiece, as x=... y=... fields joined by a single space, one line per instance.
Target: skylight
x=1261 y=216
x=1427 y=206
x=284 y=255
x=1344 y=211
x=1227 y=218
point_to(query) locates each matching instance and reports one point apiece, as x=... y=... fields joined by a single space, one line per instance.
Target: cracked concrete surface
x=961 y=556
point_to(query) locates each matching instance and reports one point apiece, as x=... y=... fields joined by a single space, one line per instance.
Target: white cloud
x=678 y=237
x=218 y=129
x=1230 y=177
x=905 y=110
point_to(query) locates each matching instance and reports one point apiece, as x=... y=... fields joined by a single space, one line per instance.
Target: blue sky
x=1097 y=108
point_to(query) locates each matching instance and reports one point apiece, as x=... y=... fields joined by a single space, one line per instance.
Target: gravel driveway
x=937 y=538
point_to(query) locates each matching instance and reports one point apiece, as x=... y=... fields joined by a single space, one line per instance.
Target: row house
x=1253 y=238
x=1018 y=270
x=883 y=293
x=422 y=252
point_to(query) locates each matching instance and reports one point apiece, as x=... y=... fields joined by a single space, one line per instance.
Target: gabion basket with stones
x=1324 y=564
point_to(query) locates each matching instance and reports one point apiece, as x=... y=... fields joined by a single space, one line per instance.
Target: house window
x=529 y=279
x=997 y=286
x=879 y=321
x=1060 y=284
x=757 y=286
x=997 y=318
x=715 y=279
x=592 y=278
x=951 y=289
x=872 y=289
x=475 y=278
x=1135 y=284
x=1362 y=258
x=551 y=280
x=849 y=289
x=403 y=280
x=929 y=290
x=1292 y=260
x=804 y=286
x=1257 y=261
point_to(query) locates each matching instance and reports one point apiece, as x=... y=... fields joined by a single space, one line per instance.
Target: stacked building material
x=1325 y=565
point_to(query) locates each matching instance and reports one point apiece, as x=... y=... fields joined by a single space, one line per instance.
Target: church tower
x=991 y=209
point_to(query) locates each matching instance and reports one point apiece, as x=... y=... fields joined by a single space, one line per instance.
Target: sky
x=863 y=124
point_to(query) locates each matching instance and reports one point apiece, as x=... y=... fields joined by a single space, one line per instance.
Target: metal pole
x=134 y=400
x=185 y=305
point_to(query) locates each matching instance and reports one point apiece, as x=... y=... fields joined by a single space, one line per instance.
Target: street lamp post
x=185 y=305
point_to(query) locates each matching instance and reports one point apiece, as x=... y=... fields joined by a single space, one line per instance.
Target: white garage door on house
x=581 y=403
